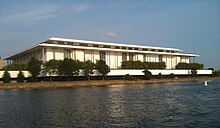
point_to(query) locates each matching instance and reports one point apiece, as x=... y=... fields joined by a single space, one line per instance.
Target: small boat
x=206 y=83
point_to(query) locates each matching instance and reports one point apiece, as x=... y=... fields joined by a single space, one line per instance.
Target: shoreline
x=92 y=83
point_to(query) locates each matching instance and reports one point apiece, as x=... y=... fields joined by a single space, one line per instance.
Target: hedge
x=16 y=66
x=142 y=65
x=195 y=66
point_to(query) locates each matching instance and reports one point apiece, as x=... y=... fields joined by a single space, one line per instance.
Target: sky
x=190 y=25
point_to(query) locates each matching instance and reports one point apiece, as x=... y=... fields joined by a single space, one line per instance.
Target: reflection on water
x=158 y=105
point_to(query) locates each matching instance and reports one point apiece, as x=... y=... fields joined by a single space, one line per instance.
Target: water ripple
x=158 y=105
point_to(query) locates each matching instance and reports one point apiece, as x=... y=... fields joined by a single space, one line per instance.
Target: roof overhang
x=108 y=43
x=117 y=50
x=103 y=43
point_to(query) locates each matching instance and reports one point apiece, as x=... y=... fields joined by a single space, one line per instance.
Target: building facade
x=112 y=53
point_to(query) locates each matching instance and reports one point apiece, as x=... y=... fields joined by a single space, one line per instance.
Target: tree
x=20 y=77
x=51 y=68
x=6 y=77
x=34 y=67
x=69 y=68
x=147 y=74
x=87 y=68
x=102 y=68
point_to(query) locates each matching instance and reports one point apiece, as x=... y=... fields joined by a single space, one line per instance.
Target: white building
x=112 y=53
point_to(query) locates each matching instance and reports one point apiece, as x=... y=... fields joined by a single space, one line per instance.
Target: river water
x=188 y=104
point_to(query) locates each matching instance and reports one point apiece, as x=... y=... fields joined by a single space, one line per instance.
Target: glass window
x=160 y=58
x=67 y=53
x=131 y=56
x=102 y=55
x=124 y=56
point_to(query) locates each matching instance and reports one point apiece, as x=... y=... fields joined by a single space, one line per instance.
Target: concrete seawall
x=71 y=84
x=122 y=72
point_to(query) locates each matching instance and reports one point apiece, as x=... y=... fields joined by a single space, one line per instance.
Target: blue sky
x=190 y=25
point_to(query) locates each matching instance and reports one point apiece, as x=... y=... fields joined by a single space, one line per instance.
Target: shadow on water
x=189 y=104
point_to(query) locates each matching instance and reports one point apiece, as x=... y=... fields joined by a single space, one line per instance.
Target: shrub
x=216 y=73
x=138 y=65
x=16 y=66
x=172 y=76
x=154 y=65
x=189 y=66
x=160 y=76
x=6 y=77
x=142 y=65
x=128 y=77
x=127 y=65
x=147 y=74
x=193 y=72
x=20 y=77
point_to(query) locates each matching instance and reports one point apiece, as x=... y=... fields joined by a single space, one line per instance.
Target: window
x=124 y=56
x=90 y=45
x=95 y=45
x=131 y=56
x=144 y=57
x=82 y=44
x=144 y=49
x=60 y=42
x=102 y=55
x=160 y=58
x=106 y=46
x=67 y=53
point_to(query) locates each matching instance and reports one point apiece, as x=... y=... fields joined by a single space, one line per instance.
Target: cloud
x=109 y=36
x=32 y=15
x=80 y=8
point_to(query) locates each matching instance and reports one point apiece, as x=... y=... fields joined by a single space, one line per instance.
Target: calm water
x=188 y=104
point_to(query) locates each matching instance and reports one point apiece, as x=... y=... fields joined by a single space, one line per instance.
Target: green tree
x=147 y=74
x=20 y=77
x=6 y=77
x=87 y=68
x=34 y=68
x=69 y=68
x=51 y=68
x=102 y=68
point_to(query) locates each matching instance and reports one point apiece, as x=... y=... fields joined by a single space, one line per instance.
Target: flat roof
x=104 y=43
x=110 y=43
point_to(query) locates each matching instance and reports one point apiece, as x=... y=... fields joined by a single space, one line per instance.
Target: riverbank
x=70 y=84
